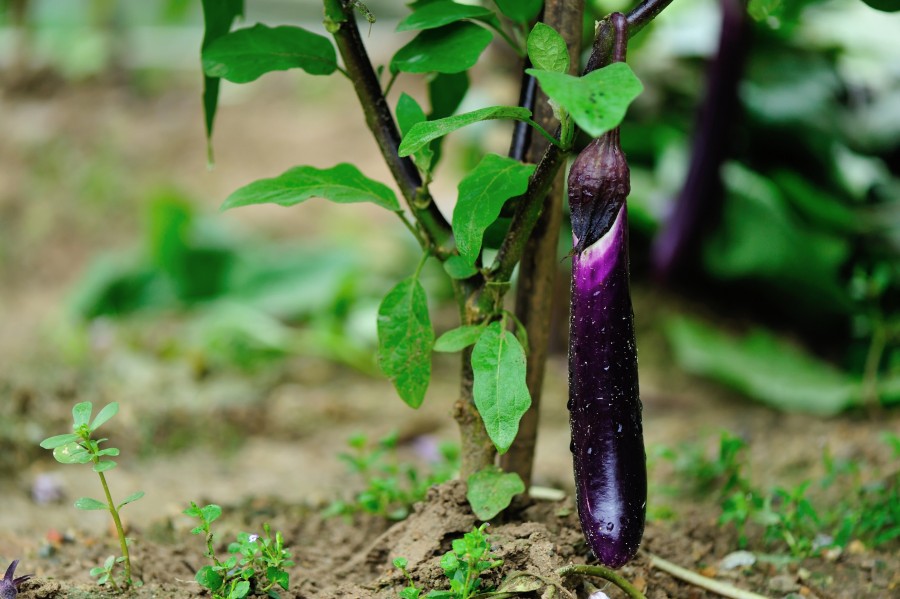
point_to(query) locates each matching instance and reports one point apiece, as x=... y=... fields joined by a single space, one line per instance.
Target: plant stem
x=123 y=544
x=716 y=586
x=538 y=266
x=643 y=13
x=604 y=573
x=341 y=21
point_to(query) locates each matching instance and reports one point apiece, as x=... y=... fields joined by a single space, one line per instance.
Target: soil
x=77 y=161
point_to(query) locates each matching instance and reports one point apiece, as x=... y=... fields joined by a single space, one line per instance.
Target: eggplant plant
x=502 y=352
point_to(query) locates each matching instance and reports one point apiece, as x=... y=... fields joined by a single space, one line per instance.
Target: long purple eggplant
x=604 y=402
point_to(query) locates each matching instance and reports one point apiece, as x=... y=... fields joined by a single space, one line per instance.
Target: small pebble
x=737 y=559
x=783 y=583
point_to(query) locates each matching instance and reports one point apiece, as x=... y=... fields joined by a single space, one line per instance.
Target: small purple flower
x=253 y=538
x=9 y=586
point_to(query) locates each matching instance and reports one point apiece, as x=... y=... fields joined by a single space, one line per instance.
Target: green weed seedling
x=470 y=558
x=80 y=447
x=390 y=487
x=256 y=563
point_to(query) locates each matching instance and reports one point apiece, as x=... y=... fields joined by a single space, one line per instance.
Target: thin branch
x=604 y=573
x=643 y=13
x=381 y=122
x=716 y=586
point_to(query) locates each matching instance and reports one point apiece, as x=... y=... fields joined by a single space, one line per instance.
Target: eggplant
x=604 y=400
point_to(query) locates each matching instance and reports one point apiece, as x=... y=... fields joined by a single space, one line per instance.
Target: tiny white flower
x=253 y=538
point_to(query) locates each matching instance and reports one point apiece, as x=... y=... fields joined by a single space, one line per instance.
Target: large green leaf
x=446 y=92
x=521 y=11
x=598 y=101
x=482 y=194
x=450 y=49
x=764 y=367
x=246 y=54
x=501 y=394
x=423 y=133
x=218 y=15
x=491 y=490
x=405 y=339
x=108 y=411
x=438 y=14
x=343 y=184
x=884 y=5
x=409 y=113
x=547 y=49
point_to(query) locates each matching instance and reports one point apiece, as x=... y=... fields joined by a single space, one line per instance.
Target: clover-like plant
x=80 y=447
x=257 y=562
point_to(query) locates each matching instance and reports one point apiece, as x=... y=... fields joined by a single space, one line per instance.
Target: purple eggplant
x=604 y=402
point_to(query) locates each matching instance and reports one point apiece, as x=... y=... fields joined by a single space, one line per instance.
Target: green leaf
x=884 y=5
x=343 y=184
x=279 y=577
x=521 y=11
x=71 y=453
x=547 y=49
x=423 y=133
x=501 y=394
x=105 y=414
x=491 y=490
x=760 y=10
x=446 y=92
x=209 y=578
x=598 y=101
x=59 y=440
x=246 y=54
x=450 y=49
x=81 y=414
x=218 y=15
x=409 y=113
x=458 y=268
x=482 y=194
x=405 y=339
x=87 y=504
x=104 y=465
x=240 y=590
x=211 y=512
x=438 y=14
x=763 y=367
x=459 y=338
x=130 y=499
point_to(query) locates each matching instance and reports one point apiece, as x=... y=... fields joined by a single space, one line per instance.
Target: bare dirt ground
x=76 y=164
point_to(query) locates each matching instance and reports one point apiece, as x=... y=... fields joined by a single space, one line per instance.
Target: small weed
x=257 y=562
x=470 y=558
x=79 y=447
x=390 y=487
x=788 y=518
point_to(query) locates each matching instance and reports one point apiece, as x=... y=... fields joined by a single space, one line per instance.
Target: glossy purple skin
x=9 y=586
x=604 y=403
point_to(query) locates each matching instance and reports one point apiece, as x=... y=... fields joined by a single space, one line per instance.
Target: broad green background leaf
x=458 y=268
x=246 y=54
x=86 y=503
x=218 y=15
x=763 y=367
x=501 y=395
x=343 y=184
x=81 y=414
x=884 y=5
x=108 y=411
x=547 y=49
x=409 y=113
x=521 y=11
x=598 y=101
x=482 y=194
x=438 y=14
x=446 y=92
x=459 y=338
x=405 y=339
x=422 y=133
x=491 y=490
x=450 y=49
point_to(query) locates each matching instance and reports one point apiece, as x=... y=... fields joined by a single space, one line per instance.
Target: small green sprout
x=257 y=562
x=470 y=558
x=79 y=447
